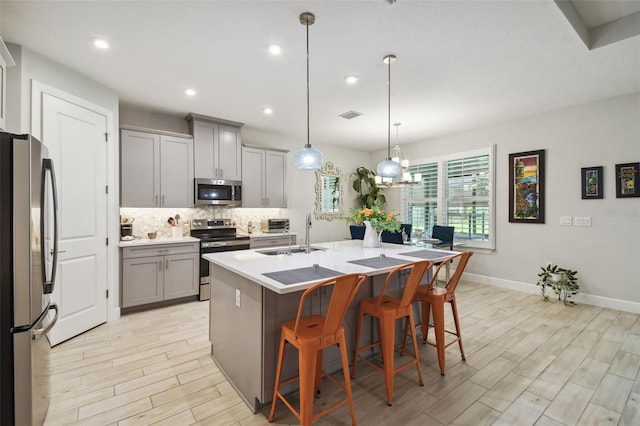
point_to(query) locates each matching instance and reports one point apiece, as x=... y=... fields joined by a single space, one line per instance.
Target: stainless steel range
x=216 y=235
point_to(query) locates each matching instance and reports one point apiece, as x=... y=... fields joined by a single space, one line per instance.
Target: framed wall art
x=627 y=180
x=526 y=187
x=591 y=178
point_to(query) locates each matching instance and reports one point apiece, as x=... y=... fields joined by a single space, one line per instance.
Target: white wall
x=607 y=254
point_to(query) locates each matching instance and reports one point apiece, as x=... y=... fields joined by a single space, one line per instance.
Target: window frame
x=442 y=200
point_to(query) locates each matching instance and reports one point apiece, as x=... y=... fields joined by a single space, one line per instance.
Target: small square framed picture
x=591 y=183
x=627 y=180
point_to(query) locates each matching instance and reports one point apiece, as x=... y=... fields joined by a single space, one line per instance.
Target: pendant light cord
x=308 y=138
x=389 y=112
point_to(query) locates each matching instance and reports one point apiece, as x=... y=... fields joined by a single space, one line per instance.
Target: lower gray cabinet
x=159 y=272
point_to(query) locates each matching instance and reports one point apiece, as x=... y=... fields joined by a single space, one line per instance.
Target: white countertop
x=251 y=264
x=160 y=240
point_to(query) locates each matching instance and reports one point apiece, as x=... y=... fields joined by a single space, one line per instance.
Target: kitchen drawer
x=274 y=241
x=160 y=250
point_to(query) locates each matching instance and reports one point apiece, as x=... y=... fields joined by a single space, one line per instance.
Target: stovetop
x=214 y=230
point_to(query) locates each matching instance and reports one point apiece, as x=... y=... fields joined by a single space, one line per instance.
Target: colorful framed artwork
x=627 y=180
x=591 y=178
x=526 y=187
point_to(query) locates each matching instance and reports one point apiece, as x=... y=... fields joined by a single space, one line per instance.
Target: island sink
x=273 y=252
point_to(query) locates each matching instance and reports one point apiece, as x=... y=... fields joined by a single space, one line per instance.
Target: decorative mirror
x=328 y=192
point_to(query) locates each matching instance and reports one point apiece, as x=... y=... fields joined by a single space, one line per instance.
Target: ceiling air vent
x=350 y=114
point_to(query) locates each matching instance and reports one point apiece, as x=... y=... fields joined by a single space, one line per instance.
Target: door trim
x=38 y=90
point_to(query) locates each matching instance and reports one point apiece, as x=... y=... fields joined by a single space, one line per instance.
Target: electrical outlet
x=238 y=297
x=582 y=221
x=565 y=220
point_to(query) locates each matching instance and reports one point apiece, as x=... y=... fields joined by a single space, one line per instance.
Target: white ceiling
x=461 y=64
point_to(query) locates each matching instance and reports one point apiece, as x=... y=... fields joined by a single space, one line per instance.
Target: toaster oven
x=274 y=225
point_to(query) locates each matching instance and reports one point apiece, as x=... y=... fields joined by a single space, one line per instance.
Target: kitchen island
x=254 y=291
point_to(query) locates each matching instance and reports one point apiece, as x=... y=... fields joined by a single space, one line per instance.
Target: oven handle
x=213 y=244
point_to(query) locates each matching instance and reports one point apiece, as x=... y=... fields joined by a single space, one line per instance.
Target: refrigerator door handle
x=47 y=167
x=22 y=328
x=39 y=332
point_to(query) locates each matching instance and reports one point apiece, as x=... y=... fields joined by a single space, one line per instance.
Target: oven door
x=215 y=247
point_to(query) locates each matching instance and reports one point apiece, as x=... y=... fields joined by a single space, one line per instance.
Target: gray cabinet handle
x=160 y=266
x=163 y=200
x=167 y=264
x=156 y=202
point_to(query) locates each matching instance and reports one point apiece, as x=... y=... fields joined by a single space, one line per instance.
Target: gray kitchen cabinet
x=159 y=272
x=5 y=61
x=156 y=169
x=142 y=280
x=264 y=177
x=217 y=146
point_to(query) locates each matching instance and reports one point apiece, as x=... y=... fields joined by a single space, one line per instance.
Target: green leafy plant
x=379 y=220
x=364 y=183
x=562 y=281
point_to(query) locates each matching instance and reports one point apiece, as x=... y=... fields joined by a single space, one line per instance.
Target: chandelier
x=405 y=178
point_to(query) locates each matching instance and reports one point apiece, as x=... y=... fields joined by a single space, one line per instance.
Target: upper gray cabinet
x=5 y=61
x=217 y=147
x=264 y=178
x=156 y=169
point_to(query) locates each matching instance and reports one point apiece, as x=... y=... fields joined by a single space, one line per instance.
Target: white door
x=75 y=137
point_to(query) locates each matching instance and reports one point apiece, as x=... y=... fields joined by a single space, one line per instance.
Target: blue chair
x=357 y=232
x=444 y=234
x=396 y=237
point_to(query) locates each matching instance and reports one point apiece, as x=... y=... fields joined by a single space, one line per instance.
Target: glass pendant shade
x=388 y=168
x=308 y=158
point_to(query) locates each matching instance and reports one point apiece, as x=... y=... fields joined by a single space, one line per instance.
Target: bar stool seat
x=387 y=310
x=310 y=335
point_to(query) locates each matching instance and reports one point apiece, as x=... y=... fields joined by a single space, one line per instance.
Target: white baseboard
x=590 y=299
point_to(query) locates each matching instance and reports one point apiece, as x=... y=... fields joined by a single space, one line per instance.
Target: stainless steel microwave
x=218 y=192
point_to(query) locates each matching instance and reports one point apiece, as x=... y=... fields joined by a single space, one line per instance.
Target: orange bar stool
x=388 y=309
x=433 y=299
x=310 y=335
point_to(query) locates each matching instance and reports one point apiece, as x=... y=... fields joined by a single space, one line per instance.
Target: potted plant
x=364 y=183
x=563 y=282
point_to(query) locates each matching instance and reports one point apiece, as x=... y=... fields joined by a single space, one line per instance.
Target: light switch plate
x=582 y=221
x=238 y=297
x=565 y=220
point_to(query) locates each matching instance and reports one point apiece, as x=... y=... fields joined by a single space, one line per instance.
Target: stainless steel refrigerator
x=28 y=261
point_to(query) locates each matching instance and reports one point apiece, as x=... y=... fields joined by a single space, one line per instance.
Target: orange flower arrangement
x=379 y=220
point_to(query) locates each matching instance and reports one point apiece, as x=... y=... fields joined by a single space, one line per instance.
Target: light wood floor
x=528 y=362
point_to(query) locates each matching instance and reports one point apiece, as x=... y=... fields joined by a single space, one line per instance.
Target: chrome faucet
x=307 y=240
x=287 y=232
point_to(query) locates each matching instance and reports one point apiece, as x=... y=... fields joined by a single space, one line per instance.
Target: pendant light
x=389 y=168
x=307 y=158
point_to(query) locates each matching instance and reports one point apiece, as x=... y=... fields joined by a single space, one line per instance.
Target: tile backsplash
x=151 y=219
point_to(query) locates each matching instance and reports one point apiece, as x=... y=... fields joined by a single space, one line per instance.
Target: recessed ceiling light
x=267 y=111
x=352 y=79
x=100 y=43
x=275 y=49
x=190 y=92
